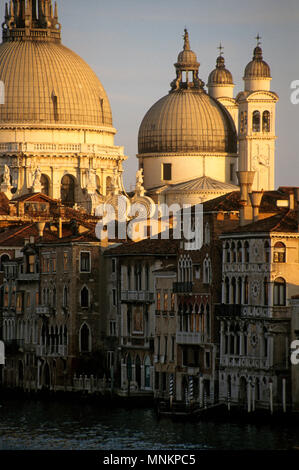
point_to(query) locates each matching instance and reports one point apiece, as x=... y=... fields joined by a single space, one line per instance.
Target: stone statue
x=6 y=176
x=37 y=187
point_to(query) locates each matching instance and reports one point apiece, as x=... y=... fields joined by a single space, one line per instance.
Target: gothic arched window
x=279 y=292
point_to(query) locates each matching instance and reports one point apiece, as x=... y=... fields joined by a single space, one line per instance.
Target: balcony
x=135 y=342
x=190 y=338
x=182 y=287
x=137 y=296
x=51 y=350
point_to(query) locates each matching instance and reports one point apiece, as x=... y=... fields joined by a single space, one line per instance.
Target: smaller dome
x=257 y=68
x=220 y=75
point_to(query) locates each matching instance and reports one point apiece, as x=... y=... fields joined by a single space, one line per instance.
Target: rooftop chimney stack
x=245 y=182
x=256 y=199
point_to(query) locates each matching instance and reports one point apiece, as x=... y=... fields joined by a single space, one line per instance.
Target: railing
x=252 y=311
x=91 y=384
x=194 y=338
x=28 y=277
x=137 y=296
x=45 y=310
x=49 y=147
x=182 y=287
x=244 y=361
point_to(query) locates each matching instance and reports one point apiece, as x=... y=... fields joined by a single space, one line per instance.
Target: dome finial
x=221 y=49
x=186 y=40
x=258 y=42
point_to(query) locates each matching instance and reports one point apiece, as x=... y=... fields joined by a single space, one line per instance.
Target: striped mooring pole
x=190 y=388
x=171 y=385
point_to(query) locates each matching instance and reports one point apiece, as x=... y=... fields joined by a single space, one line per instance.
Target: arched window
x=84 y=297
x=246 y=289
x=256 y=121
x=208 y=319
x=242 y=122
x=227 y=290
x=147 y=372
x=65 y=297
x=234 y=288
x=129 y=368
x=54 y=297
x=108 y=185
x=233 y=252
x=85 y=338
x=266 y=121
x=68 y=190
x=239 y=252
x=207 y=275
x=266 y=291
x=246 y=252
x=44 y=180
x=279 y=292
x=239 y=291
x=279 y=253
x=227 y=251
x=266 y=252
x=3 y=259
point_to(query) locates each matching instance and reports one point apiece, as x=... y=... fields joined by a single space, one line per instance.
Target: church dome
x=44 y=81
x=187 y=120
x=220 y=75
x=257 y=68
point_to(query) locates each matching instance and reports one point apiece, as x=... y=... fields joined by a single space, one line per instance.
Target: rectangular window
x=167 y=170
x=114 y=297
x=20 y=302
x=31 y=261
x=113 y=265
x=28 y=300
x=36 y=299
x=172 y=347
x=166 y=347
x=158 y=301
x=172 y=306
x=54 y=265
x=165 y=302
x=85 y=262
x=207 y=358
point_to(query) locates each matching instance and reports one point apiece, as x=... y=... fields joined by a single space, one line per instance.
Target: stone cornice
x=187 y=155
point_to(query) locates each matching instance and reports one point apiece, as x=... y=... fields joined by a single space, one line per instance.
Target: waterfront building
x=259 y=276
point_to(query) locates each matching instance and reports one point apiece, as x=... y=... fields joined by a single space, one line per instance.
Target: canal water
x=52 y=425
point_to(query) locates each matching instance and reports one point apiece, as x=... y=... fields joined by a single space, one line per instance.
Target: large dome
x=48 y=83
x=187 y=121
x=44 y=81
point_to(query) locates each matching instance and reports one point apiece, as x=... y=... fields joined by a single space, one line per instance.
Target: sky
x=132 y=46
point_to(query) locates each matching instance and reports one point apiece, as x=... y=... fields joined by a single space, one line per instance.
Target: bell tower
x=257 y=122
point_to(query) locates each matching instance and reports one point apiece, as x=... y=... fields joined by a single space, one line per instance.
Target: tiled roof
x=148 y=247
x=4 y=204
x=284 y=221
